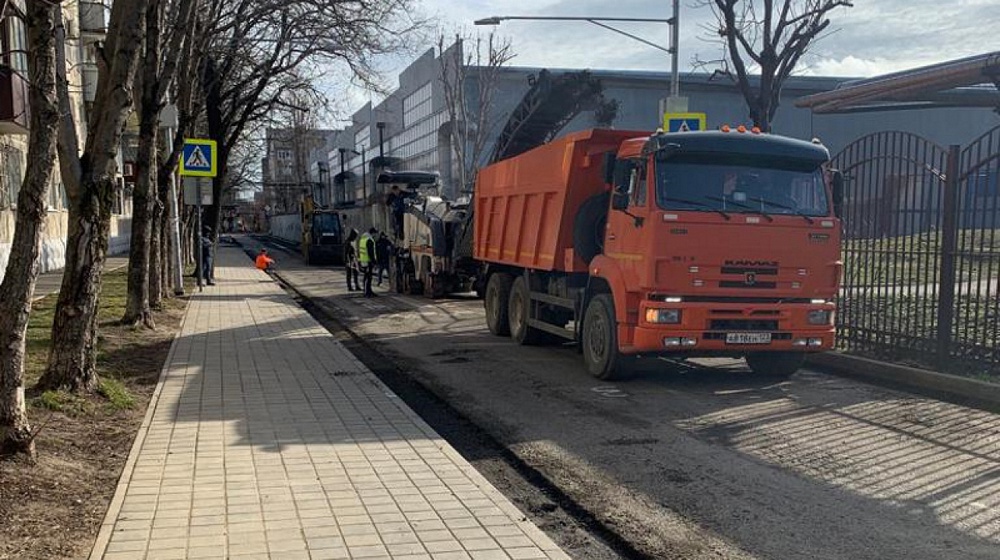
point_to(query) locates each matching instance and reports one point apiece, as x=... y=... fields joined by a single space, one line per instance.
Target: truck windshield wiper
x=795 y=210
x=741 y=205
x=699 y=204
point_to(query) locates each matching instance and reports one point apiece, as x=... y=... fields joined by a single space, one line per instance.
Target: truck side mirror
x=837 y=178
x=620 y=185
x=609 y=167
x=619 y=200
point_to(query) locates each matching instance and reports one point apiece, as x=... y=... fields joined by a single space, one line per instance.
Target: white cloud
x=851 y=66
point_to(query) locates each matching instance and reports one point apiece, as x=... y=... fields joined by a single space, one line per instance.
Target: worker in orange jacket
x=263 y=261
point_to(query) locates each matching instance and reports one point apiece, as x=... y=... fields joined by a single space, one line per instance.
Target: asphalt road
x=689 y=461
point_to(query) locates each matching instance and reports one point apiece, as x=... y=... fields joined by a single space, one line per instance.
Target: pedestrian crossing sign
x=683 y=122
x=199 y=158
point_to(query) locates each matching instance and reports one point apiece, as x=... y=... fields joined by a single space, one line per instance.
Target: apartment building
x=86 y=26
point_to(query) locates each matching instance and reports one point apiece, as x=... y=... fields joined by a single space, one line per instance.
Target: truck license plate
x=748 y=338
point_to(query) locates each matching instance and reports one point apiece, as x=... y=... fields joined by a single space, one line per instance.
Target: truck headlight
x=819 y=317
x=666 y=316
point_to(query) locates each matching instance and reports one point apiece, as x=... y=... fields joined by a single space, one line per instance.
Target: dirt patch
x=54 y=507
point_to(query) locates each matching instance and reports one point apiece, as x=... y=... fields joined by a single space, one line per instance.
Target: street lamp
x=364 y=175
x=673 y=22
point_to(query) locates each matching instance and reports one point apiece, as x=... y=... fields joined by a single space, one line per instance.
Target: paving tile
x=166 y=554
x=330 y=554
x=213 y=552
x=529 y=553
x=367 y=551
x=492 y=554
x=443 y=546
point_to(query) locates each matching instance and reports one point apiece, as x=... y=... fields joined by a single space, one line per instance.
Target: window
x=56 y=193
x=631 y=179
x=417 y=106
x=118 y=207
x=283 y=155
x=10 y=176
x=712 y=184
x=418 y=139
x=637 y=184
x=15 y=47
x=363 y=137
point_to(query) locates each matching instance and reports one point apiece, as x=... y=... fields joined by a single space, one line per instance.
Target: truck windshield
x=711 y=186
x=326 y=223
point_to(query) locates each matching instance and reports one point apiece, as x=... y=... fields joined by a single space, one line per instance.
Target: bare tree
x=88 y=176
x=265 y=51
x=190 y=105
x=768 y=37
x=163 y=41
x=470 y=110
x=23 y=267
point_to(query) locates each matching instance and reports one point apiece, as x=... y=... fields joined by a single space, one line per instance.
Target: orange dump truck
x=721 y=243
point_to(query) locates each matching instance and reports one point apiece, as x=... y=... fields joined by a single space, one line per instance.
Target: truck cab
x=720 y=243
x=322 y=234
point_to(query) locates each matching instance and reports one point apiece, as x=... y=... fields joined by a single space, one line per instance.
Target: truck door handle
x=611 y=237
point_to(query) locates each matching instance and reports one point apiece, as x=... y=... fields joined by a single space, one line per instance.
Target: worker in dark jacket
x=383 y=250
x=396 y=201
x=207 y=262
x=351 y=261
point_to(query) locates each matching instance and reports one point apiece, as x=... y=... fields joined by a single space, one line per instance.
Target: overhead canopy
x=414 y=178
x=966 y=82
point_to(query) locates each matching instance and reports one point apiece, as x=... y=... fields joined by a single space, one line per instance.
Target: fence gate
x=921 y=251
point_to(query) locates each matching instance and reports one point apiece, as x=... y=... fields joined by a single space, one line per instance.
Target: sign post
x=198 y=163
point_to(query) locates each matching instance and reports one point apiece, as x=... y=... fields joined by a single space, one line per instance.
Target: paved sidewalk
x=267 y=439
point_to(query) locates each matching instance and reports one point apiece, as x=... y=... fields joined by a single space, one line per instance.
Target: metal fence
x=922 y=251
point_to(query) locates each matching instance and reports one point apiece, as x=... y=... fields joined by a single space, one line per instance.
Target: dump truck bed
x=526 y=205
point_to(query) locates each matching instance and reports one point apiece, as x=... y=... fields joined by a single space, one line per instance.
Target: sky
x=873 y=37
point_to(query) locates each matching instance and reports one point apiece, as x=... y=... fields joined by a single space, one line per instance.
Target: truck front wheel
x=497 y=296
x=600 y=340
x=775 y=364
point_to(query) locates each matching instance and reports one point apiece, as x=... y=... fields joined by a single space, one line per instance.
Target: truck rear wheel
x=495 y=302
x=519 y=311
x=779 y=365
x=600 y=340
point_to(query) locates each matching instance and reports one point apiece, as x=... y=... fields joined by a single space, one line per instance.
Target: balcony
x=14 y=111
x=93 y=18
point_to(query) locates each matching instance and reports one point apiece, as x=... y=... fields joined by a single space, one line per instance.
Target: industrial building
x=410 y=128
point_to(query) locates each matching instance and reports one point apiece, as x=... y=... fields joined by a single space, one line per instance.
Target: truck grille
x=743 y=325
x=744 y=270
x=757 y=285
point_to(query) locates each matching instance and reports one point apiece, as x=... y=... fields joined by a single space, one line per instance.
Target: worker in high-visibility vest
x=367 y=258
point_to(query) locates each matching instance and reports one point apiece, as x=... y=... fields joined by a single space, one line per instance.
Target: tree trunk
x=155 y=258
x=90 y=188
x=137 y=307
x=72 y=358
x=24 y=261
x=167 y=259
